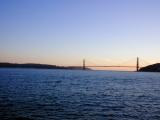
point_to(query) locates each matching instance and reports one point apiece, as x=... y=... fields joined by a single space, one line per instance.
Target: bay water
x=41 y=94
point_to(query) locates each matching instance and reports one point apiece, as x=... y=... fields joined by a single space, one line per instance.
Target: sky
x=63 y=32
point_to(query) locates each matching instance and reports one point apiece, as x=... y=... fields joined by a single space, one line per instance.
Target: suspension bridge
x=135 y=65
x=109 y=66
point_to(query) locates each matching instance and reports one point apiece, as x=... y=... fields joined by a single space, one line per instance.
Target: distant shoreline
x=39 y=66
x=149 y=68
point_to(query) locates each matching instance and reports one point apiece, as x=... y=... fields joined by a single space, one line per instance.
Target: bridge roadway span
x=105 y=66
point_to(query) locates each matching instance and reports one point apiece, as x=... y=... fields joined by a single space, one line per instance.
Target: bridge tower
x=84 y=67
x=137 y=66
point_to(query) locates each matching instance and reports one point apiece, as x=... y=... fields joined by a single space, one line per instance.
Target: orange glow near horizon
x=62 y=61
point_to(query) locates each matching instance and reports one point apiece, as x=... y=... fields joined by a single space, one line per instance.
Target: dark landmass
x=151 y=68
x=39 y=66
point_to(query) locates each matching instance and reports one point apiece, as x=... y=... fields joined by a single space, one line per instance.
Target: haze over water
x=33 y=94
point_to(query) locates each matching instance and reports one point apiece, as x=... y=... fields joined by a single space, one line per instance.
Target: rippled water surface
x=30 y=94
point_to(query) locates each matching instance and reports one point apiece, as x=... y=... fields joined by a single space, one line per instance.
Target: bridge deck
x=105 y=66
x=112 y=66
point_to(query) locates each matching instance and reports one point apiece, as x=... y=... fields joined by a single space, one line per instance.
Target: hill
x=37 y=66
x=151 y=68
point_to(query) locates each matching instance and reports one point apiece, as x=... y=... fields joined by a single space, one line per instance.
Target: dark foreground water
x=29 y=94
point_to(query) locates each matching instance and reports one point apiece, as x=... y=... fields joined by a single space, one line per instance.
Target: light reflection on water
x=67 y=94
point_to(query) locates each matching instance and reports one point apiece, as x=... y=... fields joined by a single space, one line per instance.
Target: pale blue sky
x=63 y=32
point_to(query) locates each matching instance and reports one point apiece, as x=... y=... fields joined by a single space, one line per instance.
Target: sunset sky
x=63 y=32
